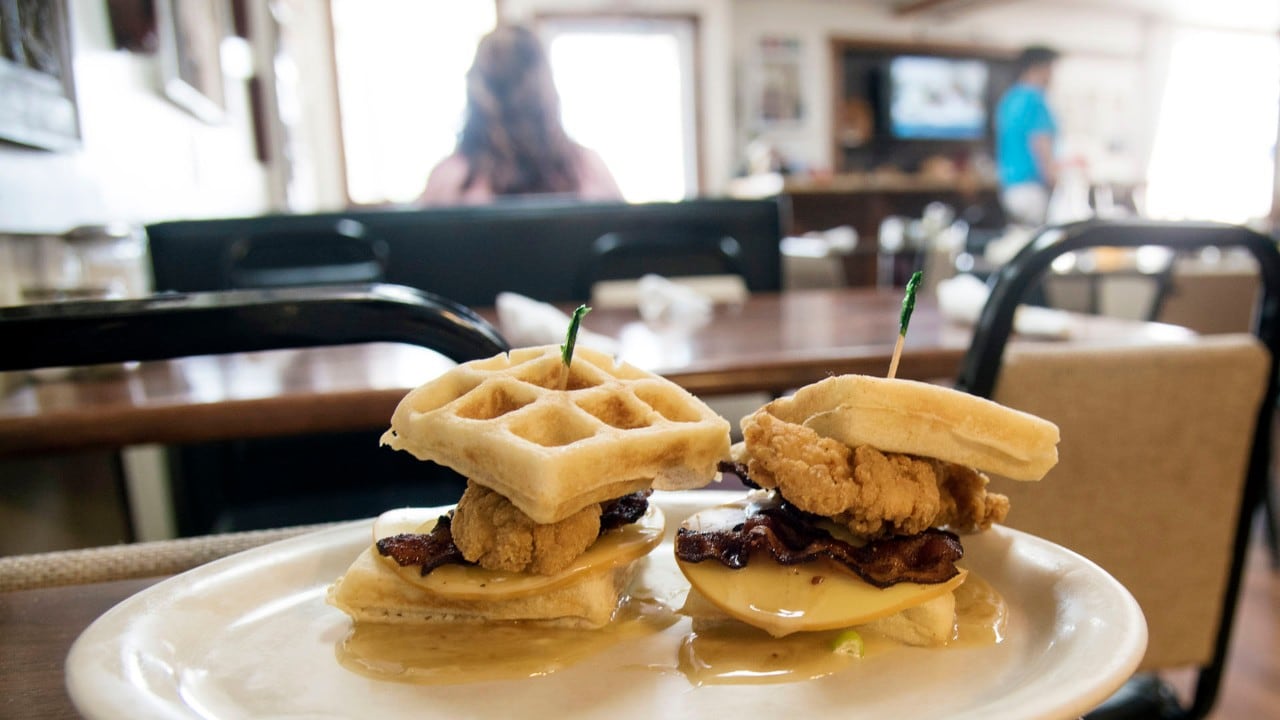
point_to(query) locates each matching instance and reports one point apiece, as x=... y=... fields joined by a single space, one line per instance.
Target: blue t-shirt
x=1022 y=112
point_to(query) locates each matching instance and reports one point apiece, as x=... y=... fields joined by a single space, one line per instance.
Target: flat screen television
x=937 y=98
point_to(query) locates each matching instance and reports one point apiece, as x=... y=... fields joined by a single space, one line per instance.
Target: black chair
x=182 y=324
x=675 y=252
x=344 y=253
x=471 y=253
x=1145 y=696
x=245 y=485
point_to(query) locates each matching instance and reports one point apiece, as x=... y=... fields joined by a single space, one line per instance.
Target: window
x=627 y=91
x=626 y=84
x=1214 y=152
x=401 y=68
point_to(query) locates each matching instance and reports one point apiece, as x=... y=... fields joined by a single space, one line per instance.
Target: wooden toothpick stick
x=908 y=305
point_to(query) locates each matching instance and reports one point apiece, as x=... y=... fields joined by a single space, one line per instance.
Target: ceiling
x=1253 y=15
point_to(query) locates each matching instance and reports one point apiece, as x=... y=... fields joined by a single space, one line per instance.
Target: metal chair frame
x=205 y=323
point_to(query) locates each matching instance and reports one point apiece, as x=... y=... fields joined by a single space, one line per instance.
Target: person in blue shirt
x=1025 y=131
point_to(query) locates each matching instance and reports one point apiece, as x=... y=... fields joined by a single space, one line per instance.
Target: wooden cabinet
x=863 y=202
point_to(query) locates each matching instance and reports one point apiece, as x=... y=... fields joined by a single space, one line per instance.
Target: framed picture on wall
x=778 y=93
x=37 y=95
x=190 y=34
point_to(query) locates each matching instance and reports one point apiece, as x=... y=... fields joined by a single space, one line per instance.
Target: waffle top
x=504 y=423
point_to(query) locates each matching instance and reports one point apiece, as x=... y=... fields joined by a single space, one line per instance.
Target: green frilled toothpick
x=571 y=339
x=908 y=305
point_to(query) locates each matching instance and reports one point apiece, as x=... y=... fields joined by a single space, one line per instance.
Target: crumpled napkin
x=961 y=298
x=671 y=305
x=526 y=322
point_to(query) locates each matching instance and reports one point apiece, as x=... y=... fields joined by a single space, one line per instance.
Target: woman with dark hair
x=512 y=141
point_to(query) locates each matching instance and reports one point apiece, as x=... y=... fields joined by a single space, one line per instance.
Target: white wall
x=142 y=158
x=318 y=177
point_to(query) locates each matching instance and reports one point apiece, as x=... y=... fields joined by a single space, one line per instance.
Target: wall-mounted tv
x=937 y=98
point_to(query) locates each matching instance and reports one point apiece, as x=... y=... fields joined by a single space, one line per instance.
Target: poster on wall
x=190 y=41
x=779 y=92
x=37 y=95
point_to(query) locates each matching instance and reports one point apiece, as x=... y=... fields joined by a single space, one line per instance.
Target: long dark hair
x=513 y=136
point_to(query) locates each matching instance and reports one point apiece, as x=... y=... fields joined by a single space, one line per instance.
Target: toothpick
x=904 y=319
x=897 y=353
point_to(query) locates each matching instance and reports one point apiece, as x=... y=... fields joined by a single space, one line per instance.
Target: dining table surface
x=770 y=343
x=37 y=628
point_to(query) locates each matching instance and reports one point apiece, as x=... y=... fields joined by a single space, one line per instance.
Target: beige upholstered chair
x=1151 y=471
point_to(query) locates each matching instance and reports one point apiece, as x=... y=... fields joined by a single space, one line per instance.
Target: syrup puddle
x=727 y=652
x=719 y=652
x=455 y=653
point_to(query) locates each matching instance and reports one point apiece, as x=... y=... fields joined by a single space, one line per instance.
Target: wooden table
x=771 y=343
x=38 y=629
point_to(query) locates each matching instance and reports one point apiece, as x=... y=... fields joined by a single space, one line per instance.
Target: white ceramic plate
x=251 y=636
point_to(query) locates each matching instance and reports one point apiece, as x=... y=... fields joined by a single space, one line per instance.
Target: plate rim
x=86 y=686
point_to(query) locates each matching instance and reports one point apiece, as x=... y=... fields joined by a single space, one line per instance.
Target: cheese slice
x=470 y=582
x=783 y=599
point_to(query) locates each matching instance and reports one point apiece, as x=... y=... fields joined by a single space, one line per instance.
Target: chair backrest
x=1151 y=470
x=345 y=253
x=627 y=256
x=1205 y=440
x=180 y=325
x=470 y=254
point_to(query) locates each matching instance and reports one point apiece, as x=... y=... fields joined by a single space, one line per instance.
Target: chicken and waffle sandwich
x=560 y=460
x=864 y=484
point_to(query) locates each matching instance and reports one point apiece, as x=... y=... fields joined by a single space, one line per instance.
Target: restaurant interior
x=219 y=275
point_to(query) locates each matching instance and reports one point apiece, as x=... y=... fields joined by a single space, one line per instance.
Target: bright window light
x=626 y=92
x=402 y=68
x=1214 y=152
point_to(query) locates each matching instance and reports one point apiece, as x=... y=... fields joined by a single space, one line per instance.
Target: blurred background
x=146 y=110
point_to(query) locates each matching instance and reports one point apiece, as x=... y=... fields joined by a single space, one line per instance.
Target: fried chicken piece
x=494 y=533
x=872 y=493
x=897 y=495
x=813 y=472
x=967 y=505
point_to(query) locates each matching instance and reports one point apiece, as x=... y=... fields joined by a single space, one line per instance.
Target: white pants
x=1026 y=203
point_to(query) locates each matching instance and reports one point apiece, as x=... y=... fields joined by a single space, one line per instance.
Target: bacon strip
x=784 y=533
x=739 y=469
x=624 y=510
x=436 y=548
x=431 y=550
